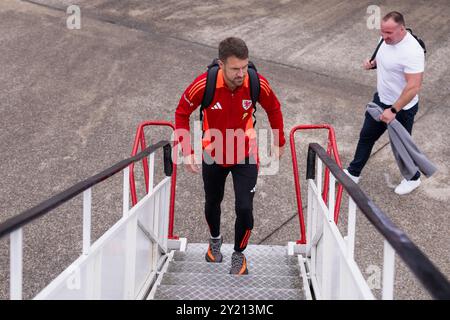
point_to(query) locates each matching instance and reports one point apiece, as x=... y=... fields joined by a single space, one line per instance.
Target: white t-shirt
x=393 y=61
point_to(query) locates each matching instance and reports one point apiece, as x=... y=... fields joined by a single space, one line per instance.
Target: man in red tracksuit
x=229 y=144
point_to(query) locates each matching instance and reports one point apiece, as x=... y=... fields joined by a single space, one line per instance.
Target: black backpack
x=211 y=78
x=420 y=41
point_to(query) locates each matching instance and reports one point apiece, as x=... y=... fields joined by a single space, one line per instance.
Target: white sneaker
x=406 y=186
x=354 y=178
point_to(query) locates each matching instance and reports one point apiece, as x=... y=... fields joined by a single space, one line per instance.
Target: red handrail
x=140 y=140
x=331 y=150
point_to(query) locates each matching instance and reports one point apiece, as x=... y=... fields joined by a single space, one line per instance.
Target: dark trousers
x=372 y=130
x=244 y=182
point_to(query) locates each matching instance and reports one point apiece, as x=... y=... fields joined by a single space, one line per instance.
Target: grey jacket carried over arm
x=409 y=158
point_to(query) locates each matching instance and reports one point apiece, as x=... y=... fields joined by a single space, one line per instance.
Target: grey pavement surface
x=71 y=100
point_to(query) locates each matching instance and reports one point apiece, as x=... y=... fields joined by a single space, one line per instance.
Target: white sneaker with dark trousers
x=406 y=186
x=354 y=178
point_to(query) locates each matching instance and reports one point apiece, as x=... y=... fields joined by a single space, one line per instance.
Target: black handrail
x=428 y=274
x=44 y=207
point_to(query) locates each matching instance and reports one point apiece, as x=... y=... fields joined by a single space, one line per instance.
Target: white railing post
x=94 y=277
x=130 y=258
x=327 y=262
x=331 y=196
x=344 y=293
x=126 y=191
x=388 y=272
x=16 y=264
x=156 y=221
x=162 y=217
x=351 y=227
x=165 y=215
x=319 y=176
x=309 y=217
x=313 y=227
x=151 y=173
x=87 y=201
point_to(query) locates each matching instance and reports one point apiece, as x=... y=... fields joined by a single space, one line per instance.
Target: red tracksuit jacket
x=228 y=110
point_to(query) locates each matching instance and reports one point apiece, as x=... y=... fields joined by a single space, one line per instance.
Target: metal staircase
x=140 y=258
x=273 y=275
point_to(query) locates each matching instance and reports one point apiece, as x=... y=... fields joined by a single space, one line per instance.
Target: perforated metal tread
x=228 y=248
x=228 y=280
x=224 y=268
x=272 y=275
x=170 y=292
x=255 y=254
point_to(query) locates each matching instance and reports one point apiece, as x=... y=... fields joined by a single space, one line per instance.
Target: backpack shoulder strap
x=420 y=41
x=374 y=55
x=211 y=78
x=255 y=86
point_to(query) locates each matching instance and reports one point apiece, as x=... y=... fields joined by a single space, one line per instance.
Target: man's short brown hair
x=232 y=46
x=396 y=16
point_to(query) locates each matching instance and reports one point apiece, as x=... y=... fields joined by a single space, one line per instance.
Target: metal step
x=228 y=280
x=255 y=254
x=272 y=275
x=171 y=292
x=228 y=248
x=224 y=268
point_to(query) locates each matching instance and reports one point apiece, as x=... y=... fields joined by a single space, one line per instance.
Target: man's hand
x=367 y=65
x=387 y=116
x=277 y=151
x=190 y=165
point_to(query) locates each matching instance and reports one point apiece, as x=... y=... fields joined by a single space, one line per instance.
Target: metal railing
x=332 y=151
x=87 y=269
x=333 y=271
x=139 y=141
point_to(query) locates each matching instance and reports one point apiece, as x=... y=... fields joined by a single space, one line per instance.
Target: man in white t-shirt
x=400 y=65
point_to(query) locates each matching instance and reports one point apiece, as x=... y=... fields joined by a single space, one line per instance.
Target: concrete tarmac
x=71 y=100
